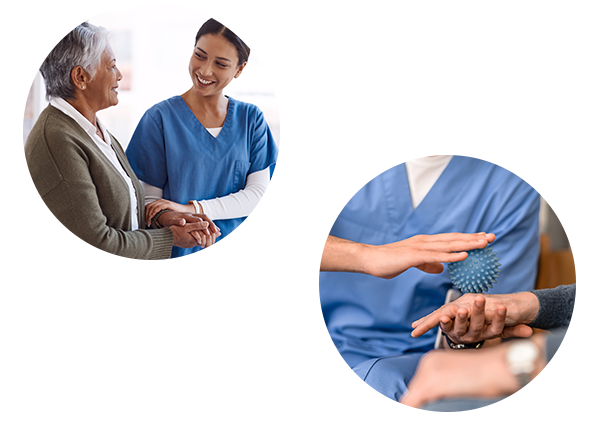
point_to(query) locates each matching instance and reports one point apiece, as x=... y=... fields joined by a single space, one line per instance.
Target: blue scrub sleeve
x=263 y=152
x=146 y=152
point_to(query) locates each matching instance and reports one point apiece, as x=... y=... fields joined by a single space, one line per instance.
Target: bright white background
x=234 y=336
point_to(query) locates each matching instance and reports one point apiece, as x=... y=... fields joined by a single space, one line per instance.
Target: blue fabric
x=369 y=318
x=170 y=149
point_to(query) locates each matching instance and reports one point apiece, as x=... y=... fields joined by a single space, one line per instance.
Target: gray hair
x=81 y=47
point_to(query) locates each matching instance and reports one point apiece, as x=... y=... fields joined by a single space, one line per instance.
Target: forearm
x=241 y=203
x=341 y=255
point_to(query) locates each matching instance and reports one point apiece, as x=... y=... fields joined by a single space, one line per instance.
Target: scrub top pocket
x=239 y=175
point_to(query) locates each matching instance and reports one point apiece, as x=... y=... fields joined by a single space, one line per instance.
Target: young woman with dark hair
x=204 y=152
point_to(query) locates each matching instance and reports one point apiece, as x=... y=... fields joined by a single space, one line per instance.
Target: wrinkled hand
x=425 y=252
x=189 y=235
x=476 y=317
x=204 y=236
x=162 y=204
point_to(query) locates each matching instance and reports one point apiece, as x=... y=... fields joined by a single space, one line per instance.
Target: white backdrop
x=233 y=336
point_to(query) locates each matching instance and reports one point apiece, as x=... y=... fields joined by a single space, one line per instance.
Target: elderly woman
x=79 y=168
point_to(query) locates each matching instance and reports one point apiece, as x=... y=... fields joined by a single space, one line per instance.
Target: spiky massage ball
x=477 y=272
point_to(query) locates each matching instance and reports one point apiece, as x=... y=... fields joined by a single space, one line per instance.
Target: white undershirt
x=423 y=173
x=239 y=204
x=104 y=145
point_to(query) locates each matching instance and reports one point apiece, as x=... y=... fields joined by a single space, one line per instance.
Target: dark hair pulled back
x=214 y=27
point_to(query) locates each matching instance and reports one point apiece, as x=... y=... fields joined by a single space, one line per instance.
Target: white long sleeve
x=151 y=193
x=239 y=204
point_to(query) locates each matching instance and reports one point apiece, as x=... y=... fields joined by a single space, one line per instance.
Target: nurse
x=204 y=152
x=369 y=319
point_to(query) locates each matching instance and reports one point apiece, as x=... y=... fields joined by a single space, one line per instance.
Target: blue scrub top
x=369 y=318
x=172 y=150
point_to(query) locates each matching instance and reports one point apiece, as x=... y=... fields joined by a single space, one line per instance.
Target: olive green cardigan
x=86 y=193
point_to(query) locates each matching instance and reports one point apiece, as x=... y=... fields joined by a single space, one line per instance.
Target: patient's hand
x=204 y=237
x=476 y=317
x=162 y=204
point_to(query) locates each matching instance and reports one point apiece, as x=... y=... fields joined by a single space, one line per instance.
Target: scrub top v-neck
x=170 y=149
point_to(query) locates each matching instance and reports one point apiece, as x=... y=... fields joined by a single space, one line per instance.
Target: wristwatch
x=453 y=345
x=520 y=357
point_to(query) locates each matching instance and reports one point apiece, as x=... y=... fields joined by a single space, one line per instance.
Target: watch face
x=521 y=355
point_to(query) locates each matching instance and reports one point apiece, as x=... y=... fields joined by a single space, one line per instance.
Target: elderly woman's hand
x=162 y=204
x=476 y=317
x=188 y=236
x=204 y=237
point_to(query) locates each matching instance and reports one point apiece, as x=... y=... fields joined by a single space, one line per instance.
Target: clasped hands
x=189 y=230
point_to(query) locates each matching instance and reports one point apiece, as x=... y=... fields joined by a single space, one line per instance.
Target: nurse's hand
x=481 y=373
x=204 y=237
x=189 y=235
x=208 y=236
x=162 y=204
x=425 y=252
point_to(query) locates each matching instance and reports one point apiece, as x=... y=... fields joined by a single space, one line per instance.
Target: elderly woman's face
x=101 y=92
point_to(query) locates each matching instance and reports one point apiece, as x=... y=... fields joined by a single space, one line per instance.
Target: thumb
x=519 y=330
x=431 y=267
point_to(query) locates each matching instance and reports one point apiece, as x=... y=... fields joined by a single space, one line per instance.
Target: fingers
x=477 y=321
x=461 y=323
x=497 y=325
x=455 y=242
x=426 y=323
x=153 y=208
x=199 y=237
x=446 y=324
x=191 y=227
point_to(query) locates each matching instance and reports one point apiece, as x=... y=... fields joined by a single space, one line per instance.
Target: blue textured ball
x=477 y=272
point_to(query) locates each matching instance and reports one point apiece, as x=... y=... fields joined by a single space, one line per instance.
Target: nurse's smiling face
x=214 y=64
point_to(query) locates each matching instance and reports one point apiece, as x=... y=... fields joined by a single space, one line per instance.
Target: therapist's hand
x=425 y=252
x=476 y=317
x=481 y=373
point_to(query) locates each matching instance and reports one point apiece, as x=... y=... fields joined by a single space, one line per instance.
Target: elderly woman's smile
x=101 y=91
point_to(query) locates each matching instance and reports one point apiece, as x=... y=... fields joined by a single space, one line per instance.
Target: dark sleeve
x=556 y=307
x=60 y=168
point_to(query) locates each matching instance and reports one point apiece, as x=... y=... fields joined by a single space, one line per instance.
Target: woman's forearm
x=241 y=203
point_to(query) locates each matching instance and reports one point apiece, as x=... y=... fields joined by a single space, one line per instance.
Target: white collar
x=72 y=112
